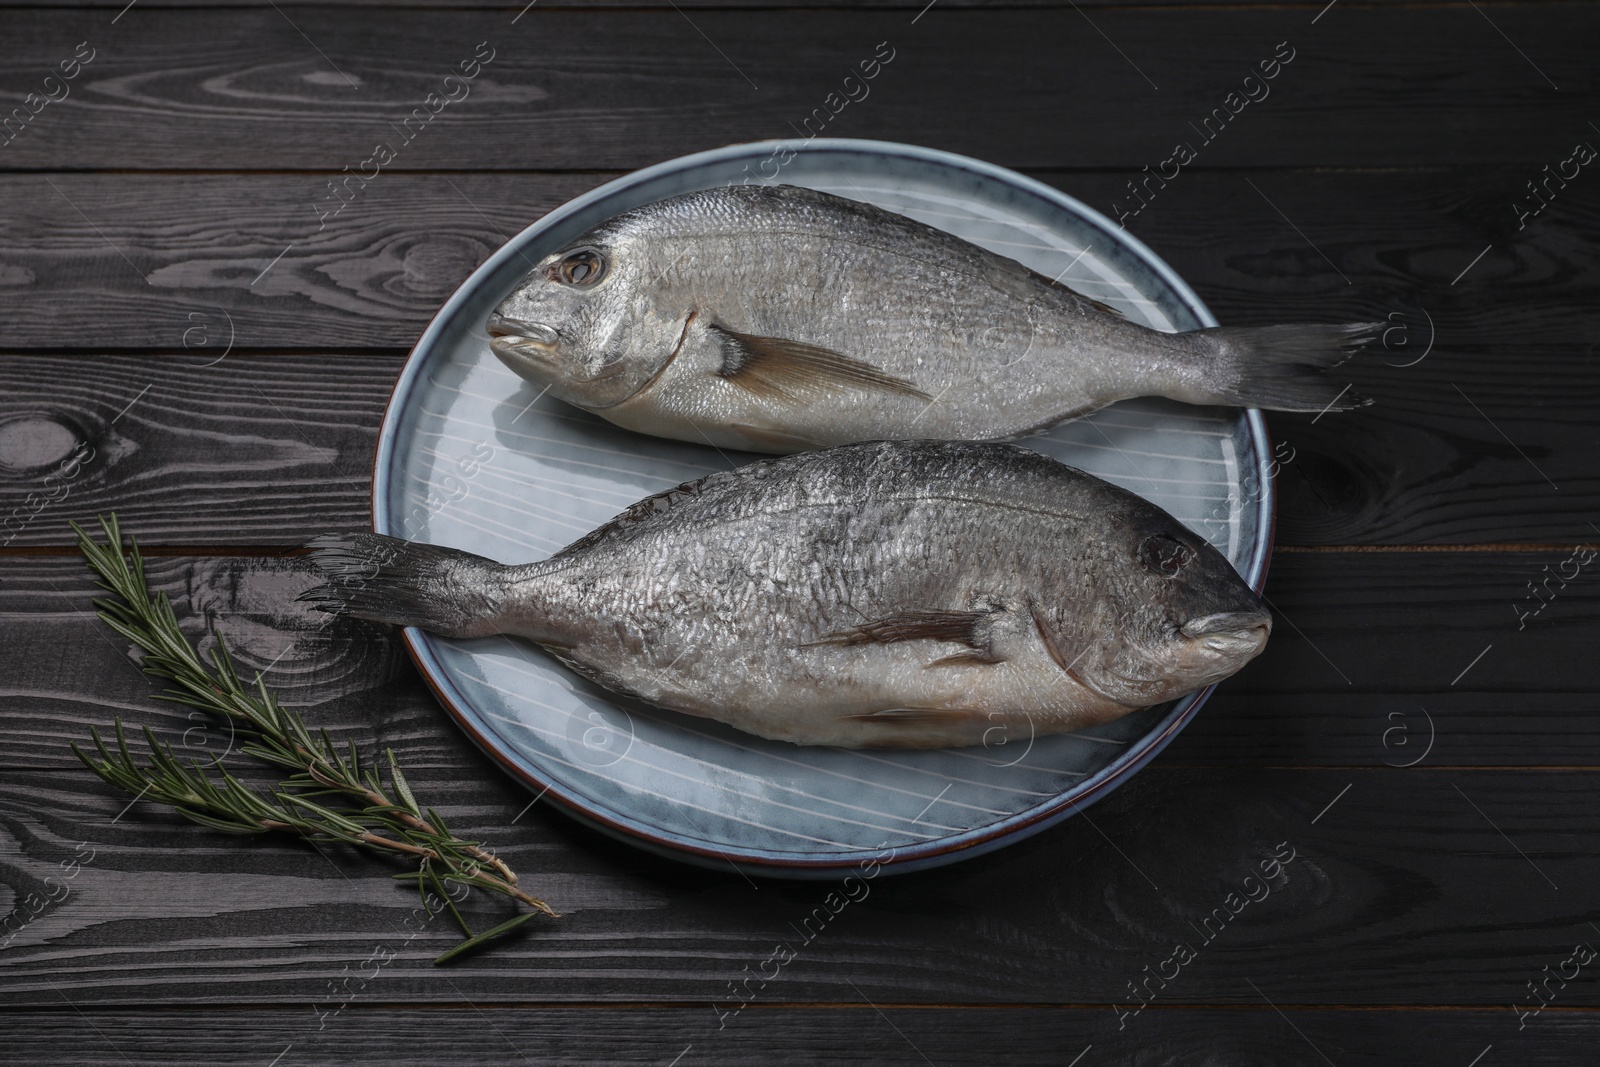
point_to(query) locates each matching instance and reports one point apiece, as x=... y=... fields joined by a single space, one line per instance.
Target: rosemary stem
x=374 y=813
x=397 y=846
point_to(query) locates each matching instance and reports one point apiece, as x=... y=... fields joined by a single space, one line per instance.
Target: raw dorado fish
x=901 y=594
x=779 y=319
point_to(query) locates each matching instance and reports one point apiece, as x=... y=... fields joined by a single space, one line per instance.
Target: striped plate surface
x=473 y=457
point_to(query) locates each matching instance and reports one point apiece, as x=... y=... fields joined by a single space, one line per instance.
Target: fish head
x=1171 y=615
x=581 y=325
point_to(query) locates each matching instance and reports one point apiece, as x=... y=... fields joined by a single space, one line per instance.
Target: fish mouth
x=513 y=335
x=1231 y=633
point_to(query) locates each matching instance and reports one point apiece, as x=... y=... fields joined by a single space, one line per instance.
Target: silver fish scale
x=742 y=597
x=782 y=319
x=854 y=279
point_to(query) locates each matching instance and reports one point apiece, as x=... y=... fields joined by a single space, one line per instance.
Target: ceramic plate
x=471 y=456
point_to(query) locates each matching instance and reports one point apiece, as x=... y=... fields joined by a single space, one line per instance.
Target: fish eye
x=582 y=268
x=1165 y=555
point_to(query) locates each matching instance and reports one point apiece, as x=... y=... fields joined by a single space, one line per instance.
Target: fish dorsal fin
x=778 y=368
x=769 y=439
x=631 y=516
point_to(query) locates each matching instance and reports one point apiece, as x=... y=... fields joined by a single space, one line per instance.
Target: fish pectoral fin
x=937 y=625
x=972 y=658
x=918 y=716
x=766 y=439
x=776 y=367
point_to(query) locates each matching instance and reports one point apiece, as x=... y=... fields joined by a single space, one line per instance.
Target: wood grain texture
x=185 y=264
x=910 y=7
x=188 y=450
x=1468 y=446
x=1420 y=739
x=853 y=1033
x=1464 y=447
x=1367 y=647
x=1401 y=893
x=182 y=263
x=1369 y=86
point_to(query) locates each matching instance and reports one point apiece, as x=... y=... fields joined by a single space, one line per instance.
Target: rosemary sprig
x=332 y=795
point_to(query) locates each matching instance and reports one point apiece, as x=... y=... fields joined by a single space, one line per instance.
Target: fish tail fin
x=1281 y=368
x=386 y=579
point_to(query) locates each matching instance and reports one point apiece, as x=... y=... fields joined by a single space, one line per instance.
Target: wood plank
x=269 y=450
x=1375 y=86
x=1434 y=887
x=1369 y=648
x=910 y=7
x=65 y=671
x=185 y=263
x=1427 y=659
x=1421 y=250
x=855 y=1033
x=1400 y=892
x=375 y=276
x=180 y=263
x=1471 y=445
x=187 y=449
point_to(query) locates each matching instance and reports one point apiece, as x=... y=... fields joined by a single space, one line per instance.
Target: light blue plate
x=473 y=457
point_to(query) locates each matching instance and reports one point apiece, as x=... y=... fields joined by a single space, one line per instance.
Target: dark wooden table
x=195 y=338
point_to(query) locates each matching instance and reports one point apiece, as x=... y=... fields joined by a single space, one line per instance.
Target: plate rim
x=901 y=859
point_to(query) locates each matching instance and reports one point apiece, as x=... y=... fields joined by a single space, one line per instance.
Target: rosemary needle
x=331 y=794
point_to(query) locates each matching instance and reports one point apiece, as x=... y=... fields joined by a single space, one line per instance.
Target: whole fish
x=899 y=594
x=779 y=319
